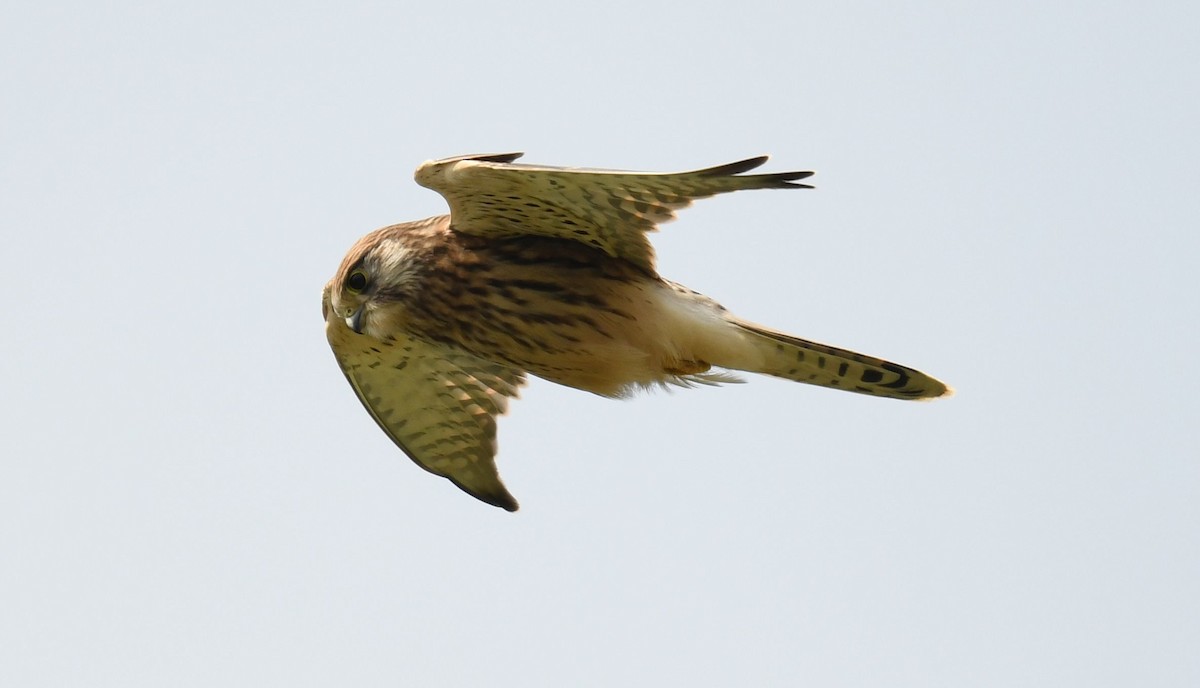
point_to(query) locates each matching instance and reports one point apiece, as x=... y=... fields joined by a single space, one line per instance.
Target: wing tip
x=432 y=173
x=773 y=180
x=731 y=168
x=495 y=494
x=495 y=157
x=504 y=500
x=481 y=157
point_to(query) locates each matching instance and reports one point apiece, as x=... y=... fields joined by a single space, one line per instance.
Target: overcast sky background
x=190 y=494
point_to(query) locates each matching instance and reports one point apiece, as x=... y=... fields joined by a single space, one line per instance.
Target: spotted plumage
x=547 y=271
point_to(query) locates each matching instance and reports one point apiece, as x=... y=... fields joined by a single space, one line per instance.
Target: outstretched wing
x=438 y=405
x=610 y=210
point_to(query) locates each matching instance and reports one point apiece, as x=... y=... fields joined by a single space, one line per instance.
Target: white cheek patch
x=393 y=267
x=381 y=323
x=394 y=264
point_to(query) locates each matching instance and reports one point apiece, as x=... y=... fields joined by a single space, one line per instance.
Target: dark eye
x=357 y=281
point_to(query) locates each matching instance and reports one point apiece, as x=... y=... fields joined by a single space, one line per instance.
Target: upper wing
x=610 y=210
x=437 y=405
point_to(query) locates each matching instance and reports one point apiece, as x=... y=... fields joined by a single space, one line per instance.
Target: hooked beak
x=354 y=320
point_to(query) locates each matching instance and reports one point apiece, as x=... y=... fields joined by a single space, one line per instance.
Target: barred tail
x=797 y=359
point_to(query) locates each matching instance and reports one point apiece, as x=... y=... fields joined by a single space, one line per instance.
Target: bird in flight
x=548 y=271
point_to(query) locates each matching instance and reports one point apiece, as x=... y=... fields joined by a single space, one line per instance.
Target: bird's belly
x=604 y=336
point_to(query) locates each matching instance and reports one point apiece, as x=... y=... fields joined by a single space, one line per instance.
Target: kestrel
x=548 y=271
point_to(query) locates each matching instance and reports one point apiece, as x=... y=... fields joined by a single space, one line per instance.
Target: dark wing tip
x=503 y=500
x=494 y=157
x=783 y=180
x=773 y=180
x=481 y=157
x=495 y=494
x=730 y=169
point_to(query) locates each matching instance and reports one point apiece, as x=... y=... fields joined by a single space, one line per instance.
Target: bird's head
x=371 y=285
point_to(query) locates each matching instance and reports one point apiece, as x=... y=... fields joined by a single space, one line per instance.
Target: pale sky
x=191 y=495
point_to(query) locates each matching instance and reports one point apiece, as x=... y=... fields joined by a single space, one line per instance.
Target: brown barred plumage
x=547 y=271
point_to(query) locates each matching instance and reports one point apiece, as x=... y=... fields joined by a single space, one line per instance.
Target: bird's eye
x=357 y=281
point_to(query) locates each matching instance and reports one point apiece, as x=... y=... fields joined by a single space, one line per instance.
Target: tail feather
x=798 y=359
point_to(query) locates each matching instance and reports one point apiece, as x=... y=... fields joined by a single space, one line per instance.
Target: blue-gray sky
x=190 y=494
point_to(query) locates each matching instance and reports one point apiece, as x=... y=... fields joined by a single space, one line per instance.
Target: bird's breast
x=566 y=313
